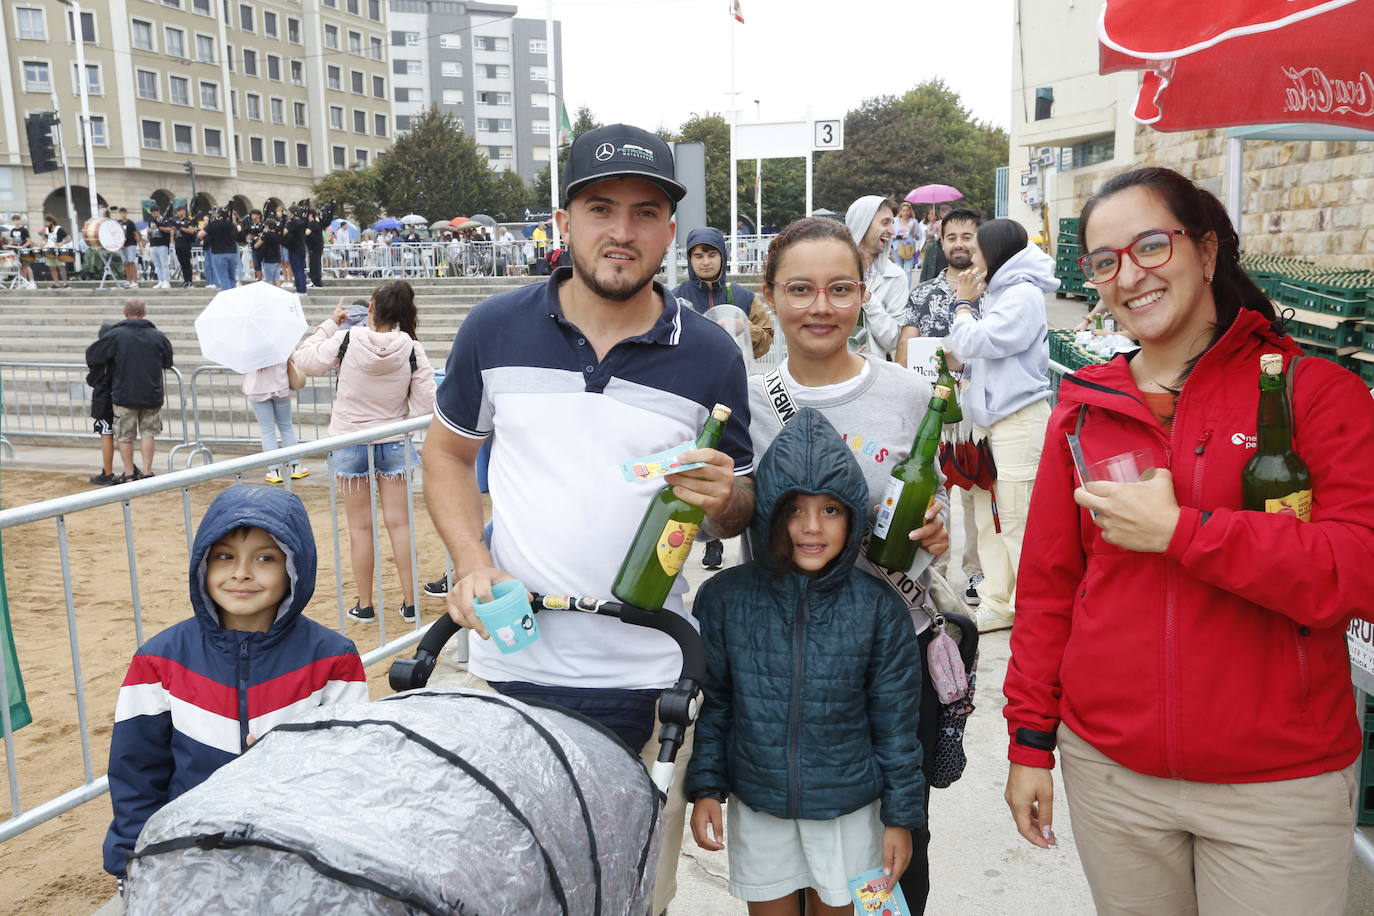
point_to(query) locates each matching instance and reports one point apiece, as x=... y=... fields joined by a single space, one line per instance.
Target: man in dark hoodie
x=135 y=354
x=706 y=287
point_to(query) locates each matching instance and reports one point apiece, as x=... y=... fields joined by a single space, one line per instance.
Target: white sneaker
x=990 y=620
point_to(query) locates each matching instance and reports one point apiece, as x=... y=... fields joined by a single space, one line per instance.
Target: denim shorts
x=388 y=458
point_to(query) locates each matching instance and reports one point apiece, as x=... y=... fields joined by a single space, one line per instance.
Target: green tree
x=436 y=170
x=784 y=190
x=357 y=190
x=510 y=196
x=584 y=121
x=896 y=143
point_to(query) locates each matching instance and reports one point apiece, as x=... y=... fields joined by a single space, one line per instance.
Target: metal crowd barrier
x=128 y=496
x=222 y=415
x=52 y=400
x=427 y=258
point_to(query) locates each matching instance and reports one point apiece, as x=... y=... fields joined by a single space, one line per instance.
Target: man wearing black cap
x=598 y=366
x=159 y=243
x=183 y=240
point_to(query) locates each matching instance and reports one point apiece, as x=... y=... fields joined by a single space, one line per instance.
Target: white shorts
x=772 y=857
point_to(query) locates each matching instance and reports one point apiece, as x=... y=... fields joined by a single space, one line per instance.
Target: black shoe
x=715 y=553
x=187 y=285
x=361 y=613
x=136 y=474
x=407 y=612
x=104 y=480
x=438 y=588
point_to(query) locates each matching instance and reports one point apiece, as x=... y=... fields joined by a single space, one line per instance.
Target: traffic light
x=189 y=168
x=42 y=153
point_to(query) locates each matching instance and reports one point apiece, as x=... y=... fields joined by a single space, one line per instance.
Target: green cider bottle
x=946 y=378
x=665 y=536
x=1276 y=479
x=909 y=491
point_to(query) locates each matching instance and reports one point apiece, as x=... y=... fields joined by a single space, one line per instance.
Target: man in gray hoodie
x=870 y=221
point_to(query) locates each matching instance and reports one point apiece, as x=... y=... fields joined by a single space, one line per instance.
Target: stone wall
x=1305 y=199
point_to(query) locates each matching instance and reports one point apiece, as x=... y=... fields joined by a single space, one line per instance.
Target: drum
x=66 y=255
x=103 y=232
x=28 y=255
x=9 y=262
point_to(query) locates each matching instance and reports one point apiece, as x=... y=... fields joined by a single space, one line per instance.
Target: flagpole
x=734 y=175
x=555 y=124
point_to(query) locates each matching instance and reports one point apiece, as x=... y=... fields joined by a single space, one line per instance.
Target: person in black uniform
x=267 y=251
x=296 y=246
x=221 y=242
x=160 y=231
x=314 y=245
x=184 y=236
x=130 y=250
x=251 y=229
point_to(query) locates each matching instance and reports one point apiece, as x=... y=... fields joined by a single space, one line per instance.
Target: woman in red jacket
x=1188 y=657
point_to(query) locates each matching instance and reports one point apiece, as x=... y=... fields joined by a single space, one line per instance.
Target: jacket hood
x=716 y=239
x=809 y=456
x=1029 y=265
x=280 y=514
x=379 y=352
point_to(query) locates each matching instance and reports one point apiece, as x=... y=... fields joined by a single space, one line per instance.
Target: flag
x=736 y=11
x=14 y=684
x=565 y=134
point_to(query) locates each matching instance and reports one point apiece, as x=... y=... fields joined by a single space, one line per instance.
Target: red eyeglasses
x=1149 y=250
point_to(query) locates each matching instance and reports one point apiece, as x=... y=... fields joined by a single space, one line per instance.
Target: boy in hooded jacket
x=812 y=690
x=708 y=266
x=200 y=692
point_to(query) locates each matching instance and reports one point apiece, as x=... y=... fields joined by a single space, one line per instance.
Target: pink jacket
x=376 y=384
x=267 y=383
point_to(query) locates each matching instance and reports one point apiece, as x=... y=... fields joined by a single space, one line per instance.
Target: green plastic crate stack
x=1066 y=352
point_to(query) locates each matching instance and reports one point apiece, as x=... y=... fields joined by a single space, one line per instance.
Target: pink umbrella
x=934 y=194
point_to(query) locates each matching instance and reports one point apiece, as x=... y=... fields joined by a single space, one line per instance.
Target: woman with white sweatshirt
x=1005 y=353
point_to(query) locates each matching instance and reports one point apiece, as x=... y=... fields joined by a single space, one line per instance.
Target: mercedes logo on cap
x=604 y=151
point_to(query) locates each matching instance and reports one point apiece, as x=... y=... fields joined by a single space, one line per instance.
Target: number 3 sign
x=828 y=134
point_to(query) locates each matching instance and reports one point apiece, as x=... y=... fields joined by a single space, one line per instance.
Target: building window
x=31 y=23
x=1090 y=152
x=539 y=127
x=539 y=74
x=412 y=39
x=202 y=7
x=490 y=43
x=209 y=95
x=205 y=49
x=250 y=62
x=269 y=24
x=94 y=84
x=178 y=90
x=374 y=10
x=152 y=135
x=88 y=33
x=293 y=30
x=413 y=68
x=234 y=102
x=495 y=71
x=141 y=34
x=493 y=98
x=298 y=114
x=336 y=117
x=229 y=56
x=332 y=4
x=539 y=46
x=238 y=148
x=331 y=37
x=494 y=125
x=254 y=103
x=174 y=4
x=340 y=157
x=359 y=121
x=214 y=145
x=360 y=157
x=255 y=149
x=409 y=95
x=375 y=48
x=402 y=123
x=278 y=109
x=274 y=68
x=245 y=17
x=355 y=43
x=452 y=97
x=297 y=73
x=353 y=7
x=332 y=77
x=356 y=81
x=452 y=40
x=540 y=153
x=302 y=155
x=174 y=40
x=37 y=76
x=378 y=87
x=98 y=135
x=451 y=68
x=181 y=138
x=147 y=84
x=279 y=152
x=379 y=125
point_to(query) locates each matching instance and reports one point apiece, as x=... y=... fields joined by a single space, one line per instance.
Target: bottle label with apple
x=674 y=544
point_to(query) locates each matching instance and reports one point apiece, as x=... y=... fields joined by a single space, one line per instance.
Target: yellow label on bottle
x=1298 y=504
x=674 y=544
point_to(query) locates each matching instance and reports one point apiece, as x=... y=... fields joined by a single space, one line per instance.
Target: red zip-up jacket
x=1224 y=658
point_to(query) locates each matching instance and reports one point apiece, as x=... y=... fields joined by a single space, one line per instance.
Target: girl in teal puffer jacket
x=812 y=692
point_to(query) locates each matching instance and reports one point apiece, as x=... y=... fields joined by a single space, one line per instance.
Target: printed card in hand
x=872 y=897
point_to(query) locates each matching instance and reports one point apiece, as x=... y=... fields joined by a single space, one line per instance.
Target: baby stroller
x=428 y=801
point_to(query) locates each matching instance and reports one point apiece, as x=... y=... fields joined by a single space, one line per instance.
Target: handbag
x=295 y=378
x=906 y=250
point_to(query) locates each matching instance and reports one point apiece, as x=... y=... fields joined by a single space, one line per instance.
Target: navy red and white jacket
x=195 y=691
x=1222 y=659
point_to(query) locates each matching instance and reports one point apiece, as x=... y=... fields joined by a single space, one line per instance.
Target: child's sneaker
x=104 y=480
x=438 y=588
x=361 y=613
x=298 y=472
x=273 y=475
x=407 y=612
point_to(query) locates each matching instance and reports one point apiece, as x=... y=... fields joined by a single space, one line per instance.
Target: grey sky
x=655 y=62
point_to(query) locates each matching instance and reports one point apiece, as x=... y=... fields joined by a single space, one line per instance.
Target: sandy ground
x=55 y=868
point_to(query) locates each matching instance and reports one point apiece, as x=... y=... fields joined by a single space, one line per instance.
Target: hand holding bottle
x=933 y=535
x=709 y=488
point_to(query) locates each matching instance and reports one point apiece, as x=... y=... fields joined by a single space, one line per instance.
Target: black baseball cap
x=620 y=151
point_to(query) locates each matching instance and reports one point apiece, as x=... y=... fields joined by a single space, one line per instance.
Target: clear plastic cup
x=508 y=617
x=1128 y=467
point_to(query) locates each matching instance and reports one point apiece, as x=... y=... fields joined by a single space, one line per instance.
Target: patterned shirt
x=930 y=307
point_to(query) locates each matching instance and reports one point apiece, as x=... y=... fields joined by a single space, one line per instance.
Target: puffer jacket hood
x=1030 y=265
x=716 y=239
x=809 y=456
x=280 y=514
x=702 y=295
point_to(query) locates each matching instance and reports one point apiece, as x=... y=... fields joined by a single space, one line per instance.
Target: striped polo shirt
x=563 y=515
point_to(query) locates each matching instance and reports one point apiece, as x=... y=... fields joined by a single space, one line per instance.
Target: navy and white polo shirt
x=563 y=515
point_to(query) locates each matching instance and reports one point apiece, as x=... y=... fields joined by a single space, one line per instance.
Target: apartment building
x=480 y=63
x=261 y=97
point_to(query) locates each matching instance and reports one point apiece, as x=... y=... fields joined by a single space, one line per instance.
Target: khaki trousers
x=1168 y=847
x=1016 y=442
x=674 y=810
x=969 y=563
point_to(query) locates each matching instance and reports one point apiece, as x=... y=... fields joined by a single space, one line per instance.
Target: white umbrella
x=415 y=218
x=250 y=327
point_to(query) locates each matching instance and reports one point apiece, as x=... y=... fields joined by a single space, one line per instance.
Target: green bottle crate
x=1350 y=302
x=1345 y=335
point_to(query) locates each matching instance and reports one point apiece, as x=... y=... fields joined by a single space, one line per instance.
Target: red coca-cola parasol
x=1232 y=62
